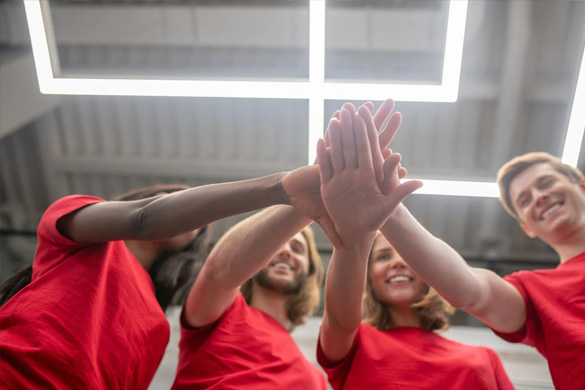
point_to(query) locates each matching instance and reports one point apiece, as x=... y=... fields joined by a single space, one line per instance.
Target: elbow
x=139 y=221
x=346 y=323
x=473 y=304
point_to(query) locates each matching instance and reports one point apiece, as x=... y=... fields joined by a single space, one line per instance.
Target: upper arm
x=103 y=222
x=499 y=305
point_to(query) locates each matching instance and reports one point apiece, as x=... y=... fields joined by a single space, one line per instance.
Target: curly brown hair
x=432 y=309
x=303 y=304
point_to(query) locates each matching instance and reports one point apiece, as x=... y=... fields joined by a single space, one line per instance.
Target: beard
x=286 y=288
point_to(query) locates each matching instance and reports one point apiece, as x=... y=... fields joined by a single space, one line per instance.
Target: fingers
x=364 y=154
x=387 y=134
x=383 y=112
x=376 y=156
x=337 y=116
x=348 y=138
x=402 y=172
x=400 y=193
x=349 y=107
x=391 y=179
x=337 y=159
x=368 y=105
x=325 y=167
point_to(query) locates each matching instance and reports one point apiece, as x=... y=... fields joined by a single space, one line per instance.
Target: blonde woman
x=396 y=347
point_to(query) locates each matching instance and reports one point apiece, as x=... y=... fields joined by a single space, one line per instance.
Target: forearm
x=248 y=246
x=344 y=287
x=190 y=209
x=433 y=260
x=240 y=254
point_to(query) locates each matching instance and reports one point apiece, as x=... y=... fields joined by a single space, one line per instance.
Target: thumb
x=400 y=193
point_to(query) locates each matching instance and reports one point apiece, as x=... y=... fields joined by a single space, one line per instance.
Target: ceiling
x=519 y=71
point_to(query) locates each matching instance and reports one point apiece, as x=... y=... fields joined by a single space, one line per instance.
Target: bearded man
x=261 y=280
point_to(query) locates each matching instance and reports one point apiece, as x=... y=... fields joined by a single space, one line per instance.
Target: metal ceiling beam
x=510 y=106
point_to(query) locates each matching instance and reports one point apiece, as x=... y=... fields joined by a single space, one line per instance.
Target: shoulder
x=64 y=206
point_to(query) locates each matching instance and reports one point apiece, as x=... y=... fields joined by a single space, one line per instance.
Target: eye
x=297 y=248
x=383 y=257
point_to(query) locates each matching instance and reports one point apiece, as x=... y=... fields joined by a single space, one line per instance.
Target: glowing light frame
x=316 y=90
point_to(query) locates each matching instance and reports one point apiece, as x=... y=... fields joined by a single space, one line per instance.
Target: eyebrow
x=294 y=240
x=538 y=181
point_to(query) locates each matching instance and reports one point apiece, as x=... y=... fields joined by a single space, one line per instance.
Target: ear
x=527 y=231
x=582 y=185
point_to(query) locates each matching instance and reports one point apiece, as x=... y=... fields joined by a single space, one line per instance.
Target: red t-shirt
x=244 y=349
x=555 y=319
x=88 y=320
x=408 y=358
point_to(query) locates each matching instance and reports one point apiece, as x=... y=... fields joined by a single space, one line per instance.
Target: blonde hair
x=432 y=309
x=303 y=304
x=517 y=165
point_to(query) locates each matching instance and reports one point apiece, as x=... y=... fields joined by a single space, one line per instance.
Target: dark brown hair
x=432 y=309
x=517 y=165
x=301 y=305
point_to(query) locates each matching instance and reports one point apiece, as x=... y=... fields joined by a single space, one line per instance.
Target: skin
x=260 y=236
x=358 y=206
x=398 y=297
x=270 y=299
x=538 y=189
x=170 y=221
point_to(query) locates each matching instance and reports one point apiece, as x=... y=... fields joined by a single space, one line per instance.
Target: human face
x=549 y=205
x=392 y=280
x=288 y=269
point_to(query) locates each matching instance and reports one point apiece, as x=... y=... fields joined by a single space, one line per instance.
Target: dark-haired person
x=396 y=347
x=261 y=280
x=89 y=318
x=543 y=308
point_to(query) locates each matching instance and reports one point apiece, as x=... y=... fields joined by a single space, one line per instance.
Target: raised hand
x=349 y=186
x=302 y=187
x=379 y=138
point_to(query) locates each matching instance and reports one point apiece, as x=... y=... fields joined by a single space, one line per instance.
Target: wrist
x=280 y=195
x=396 y=215
x=358 y=243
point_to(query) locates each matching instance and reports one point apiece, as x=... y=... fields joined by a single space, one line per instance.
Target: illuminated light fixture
x=576 y=126
x=316 y=90
x=459 y=188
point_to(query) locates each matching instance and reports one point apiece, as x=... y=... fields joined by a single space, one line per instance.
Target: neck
x=271 y=303
x=144 y=251
x=571 y=245
x=404 y=316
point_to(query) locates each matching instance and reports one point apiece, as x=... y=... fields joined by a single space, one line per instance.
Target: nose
x=541 y=198
x=398 y=263
x=284 y=252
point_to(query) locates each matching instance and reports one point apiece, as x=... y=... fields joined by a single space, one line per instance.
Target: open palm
x=349 y=186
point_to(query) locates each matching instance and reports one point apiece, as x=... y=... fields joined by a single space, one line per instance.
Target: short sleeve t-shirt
x=89 y=319
x=244 y=349
x=408 y=358
x=555 y=319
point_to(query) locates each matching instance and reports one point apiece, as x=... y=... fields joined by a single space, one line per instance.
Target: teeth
x=282 y=265
x=397 y=279
x=550 y=211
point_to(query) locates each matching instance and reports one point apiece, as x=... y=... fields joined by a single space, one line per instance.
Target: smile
x=283 y=266
x=550 y=211
x=399 y=278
